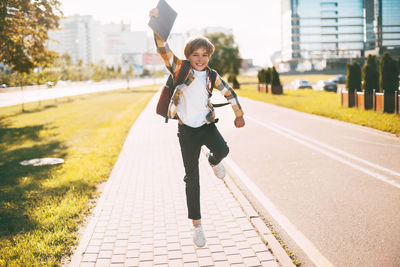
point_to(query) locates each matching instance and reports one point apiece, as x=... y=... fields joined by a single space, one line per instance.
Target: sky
x=255 y=23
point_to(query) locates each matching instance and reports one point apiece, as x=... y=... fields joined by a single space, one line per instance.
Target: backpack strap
x=183 y=72
x=212 y=75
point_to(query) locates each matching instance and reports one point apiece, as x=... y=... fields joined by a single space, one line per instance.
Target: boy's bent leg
x=217 y=145
x=190 y=149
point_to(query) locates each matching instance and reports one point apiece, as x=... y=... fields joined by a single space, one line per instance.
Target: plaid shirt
x=174 y=64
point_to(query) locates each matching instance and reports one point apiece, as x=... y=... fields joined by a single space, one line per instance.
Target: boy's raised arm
x=172 y=62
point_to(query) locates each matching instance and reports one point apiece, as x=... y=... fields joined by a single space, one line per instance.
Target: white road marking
x=341 y=152
x=369 y=142
x=291 y=135
x=309 y=249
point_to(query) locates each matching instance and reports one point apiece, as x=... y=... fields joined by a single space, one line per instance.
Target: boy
x=191 y=105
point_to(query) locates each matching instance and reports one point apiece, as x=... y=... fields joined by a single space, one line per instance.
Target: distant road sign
x=152 y=59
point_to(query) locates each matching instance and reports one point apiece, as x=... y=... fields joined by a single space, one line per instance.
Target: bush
x=370 y=75
x=268 y=75
x=261 y=76
x=388 y=74
x=275 y=80
x=232 y=78
x=353 y=80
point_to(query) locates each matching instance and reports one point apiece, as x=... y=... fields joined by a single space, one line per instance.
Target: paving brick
x=160 y=259
x=218 y=256
x=203 y=252
x=92 y=249
x=252 y=261
x=146 y=248
x=222 y=264
x=120 y=250
x=269 y=264
x=88 y=257
x=206 y=261
x=190 y=257
x=175 y=254
x=187 y=249
x=216 y=248
x=173 y=246
x=259 y=248
x=176 y=263
x=96 y=242
x=160 y=251
x=105 y=254
x=118 y=259
x=234 y=259
x=146 y=256
x=103 y=262
x=231 y=250
x=247 y=252
x=132 y=262
x=264 y=256
x=107 y=246
x=146 y=263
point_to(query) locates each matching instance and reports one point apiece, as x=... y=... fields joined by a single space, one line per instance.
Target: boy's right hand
x=153 y=13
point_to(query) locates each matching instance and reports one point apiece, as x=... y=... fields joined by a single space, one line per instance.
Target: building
x=382 y=24
x=80 y=37
x=326 y=34
x=90 y=41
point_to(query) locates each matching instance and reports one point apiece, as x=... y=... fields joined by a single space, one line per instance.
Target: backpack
x=169 y=88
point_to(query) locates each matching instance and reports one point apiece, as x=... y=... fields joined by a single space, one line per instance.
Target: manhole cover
x=42 y=161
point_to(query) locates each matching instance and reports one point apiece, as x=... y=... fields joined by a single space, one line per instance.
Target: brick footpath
x=141 y=217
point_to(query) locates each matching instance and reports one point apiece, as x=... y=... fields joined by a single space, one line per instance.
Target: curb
x=264 y=232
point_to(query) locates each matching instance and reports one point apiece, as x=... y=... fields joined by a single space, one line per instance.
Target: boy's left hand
x=239 y=122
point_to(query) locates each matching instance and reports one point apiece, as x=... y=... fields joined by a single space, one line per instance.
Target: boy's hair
x=196 y=43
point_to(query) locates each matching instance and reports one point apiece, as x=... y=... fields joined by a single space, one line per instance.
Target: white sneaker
x=219 y=169
x=198 y=236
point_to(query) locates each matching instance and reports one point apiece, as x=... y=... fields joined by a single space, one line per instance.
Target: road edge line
x=304 y=244
x=261 y=228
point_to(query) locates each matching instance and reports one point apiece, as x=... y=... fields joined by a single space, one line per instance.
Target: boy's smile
x=199 y=59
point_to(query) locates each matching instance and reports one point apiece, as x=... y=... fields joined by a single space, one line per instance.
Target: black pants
x=191 y=141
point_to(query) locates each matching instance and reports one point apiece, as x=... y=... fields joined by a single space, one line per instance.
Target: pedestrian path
x=141 y=217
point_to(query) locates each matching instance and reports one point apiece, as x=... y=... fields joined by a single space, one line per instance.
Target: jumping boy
x=191 y=105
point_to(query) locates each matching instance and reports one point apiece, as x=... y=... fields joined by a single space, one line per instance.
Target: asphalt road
x=16 y=96
x=336 y=183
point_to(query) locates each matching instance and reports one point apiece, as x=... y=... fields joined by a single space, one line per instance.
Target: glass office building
x=321 y=34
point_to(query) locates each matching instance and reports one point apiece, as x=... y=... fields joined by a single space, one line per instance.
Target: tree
x=226 y=57
x=370 y=75
x=261 y=76
x=23 y=32
x=353 y=80
x=268 y=76
x=275 y=80
x=389 y=74
x=389 y=81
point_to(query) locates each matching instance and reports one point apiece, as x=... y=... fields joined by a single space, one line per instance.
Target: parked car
x=4 y=85
x=326 y=86
x=339 y=79
x=302 y=84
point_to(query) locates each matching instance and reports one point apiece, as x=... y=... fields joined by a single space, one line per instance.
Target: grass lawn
x=42 y=207
x=325 y=104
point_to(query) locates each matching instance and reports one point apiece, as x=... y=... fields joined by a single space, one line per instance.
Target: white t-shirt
x=192 y=107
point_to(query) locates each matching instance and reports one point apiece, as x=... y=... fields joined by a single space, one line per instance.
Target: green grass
x=41 y=208
x=312 y=78
x=325 y=104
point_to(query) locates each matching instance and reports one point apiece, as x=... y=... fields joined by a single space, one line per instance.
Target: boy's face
x=199 y=59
